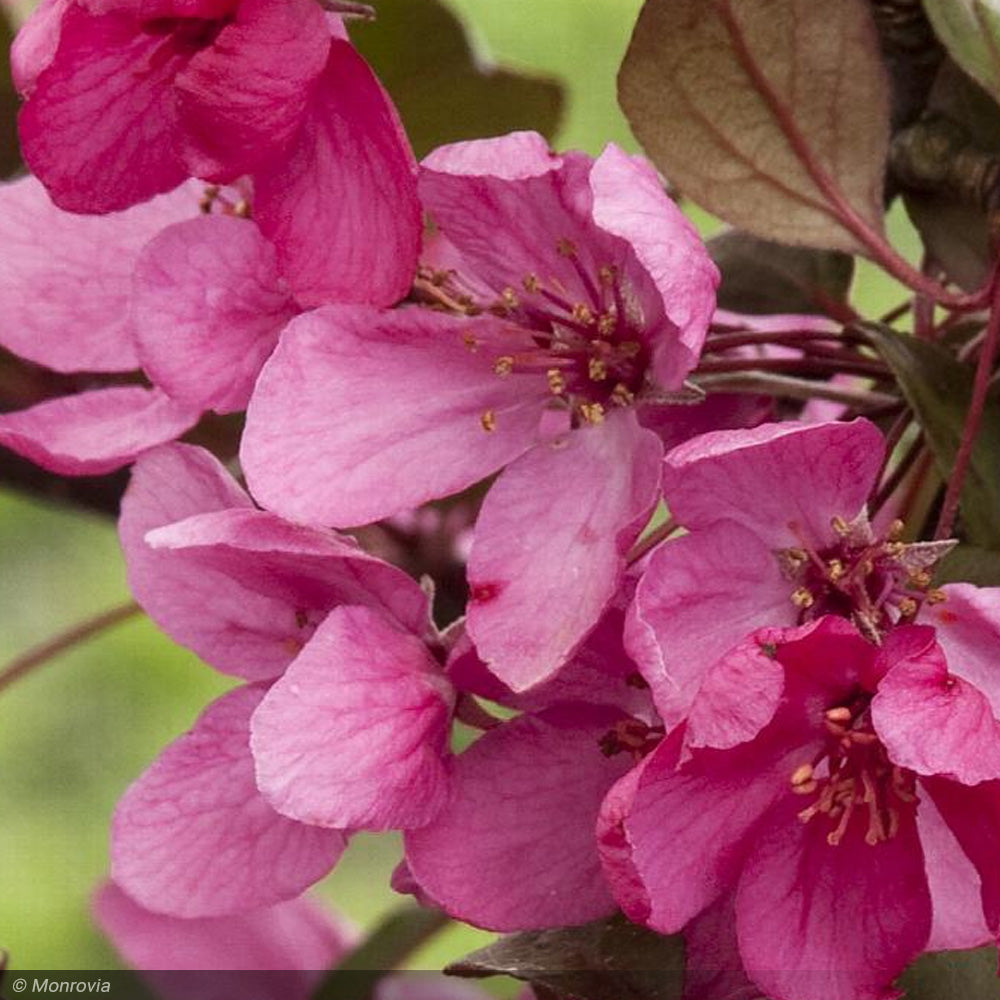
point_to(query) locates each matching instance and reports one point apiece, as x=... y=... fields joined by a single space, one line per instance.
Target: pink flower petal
x=207 y=309
x=968 y=628
x=700 y=595
x=243 y=98
x=199 y=607
x=355 y=733
x=341 y=205
x=194 y=838
x=309 y=570
x=931 y=721
x=280 y=951
x=35 y=44
x=973 y=816
x=841 y=923
x=714 y=969
x=775 y=476
x=98 y=126
x=65 y=279
x=95 y=432
x=361 y=414
x=553 y=532
x=956 y=889
x=515 y=849
x=630 y=203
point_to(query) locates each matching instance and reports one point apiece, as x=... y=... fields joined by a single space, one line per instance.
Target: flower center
x=875 y=580
x=853 y=777
x=633 y=737
x=589 y=348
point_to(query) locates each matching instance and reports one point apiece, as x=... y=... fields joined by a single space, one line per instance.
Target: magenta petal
x=955 y=886
x=615 y=848
x=701 y=595
x=95 y=432
x=630 y=203
x=354 y=735
x=714 y=969
x=341 y=205
x=98 y=126
x=200 y=608
x=298 y=938
x=774 y=477
x=839 y=922
x=968 y=628
x=931 y=721
x=65 y=279
x=360 y=413
x=207 y=309
x=36 y=43
x=973 y=816
x=243 y=98
x=194 y=838
x=553 y=532
x=514 y=849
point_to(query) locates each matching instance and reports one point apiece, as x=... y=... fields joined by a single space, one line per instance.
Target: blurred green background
x=76 y=732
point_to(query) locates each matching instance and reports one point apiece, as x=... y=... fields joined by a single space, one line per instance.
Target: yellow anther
x=606 y=324
x=592 y=413
x=629 y=348
x=608 y=274
x=621 y=395
x=597 y=370
x=894 y=548
x=840 y=526
x=488 y=420
x=557 y=381
x=798 y=557
x=839 y=714
x=582 y=313
x=566 y=248
x=921 y=580
x=503 y=365
x=907 y=607
x=803 y=598
x=242 y=210
x=531 y=283
x=896 y=530
x=802 y=774
x=936 y=596
x=468 y=338
x=509 y=298
x=835 y=570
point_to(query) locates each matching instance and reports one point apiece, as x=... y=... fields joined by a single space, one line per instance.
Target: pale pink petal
x=838 y=922
x=631 y=204
x=361 y=414
x=956 y=889
x=700 y=595
x=354 y=735
x=341 y=205
x=932 y=721
x=236 y=630
x=98 y=127
x=280 y=951
x=553 y=532
x=973 y=816
x=65 y=279
x=692 y=827
x=776 y=478
x=968 y=628
x=95 y=432
x=310 y=570
x=36 y=44
x=194 y=838
x=515 y=847
x=207 y=308
x=243 y=98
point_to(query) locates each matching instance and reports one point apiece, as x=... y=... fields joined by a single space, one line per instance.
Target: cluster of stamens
x=875 y=580
x=633 y=737
x=590 y=350
x=214 y=199
x=853 y=776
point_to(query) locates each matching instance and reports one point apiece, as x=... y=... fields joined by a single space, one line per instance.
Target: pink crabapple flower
x=126 y=99
x=778 y=534
x=836 y=796
x=65 y=290
x=571 y=299
x=278 y=953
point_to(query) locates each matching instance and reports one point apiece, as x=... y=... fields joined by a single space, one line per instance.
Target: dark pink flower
x=576 y=298
x=778 y=534
x=126 y=99
x=847 y=809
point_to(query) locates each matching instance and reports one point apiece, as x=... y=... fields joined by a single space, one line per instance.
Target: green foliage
x=970 y=30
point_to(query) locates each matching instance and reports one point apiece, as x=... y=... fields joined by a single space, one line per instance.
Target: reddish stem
x=973 y=422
